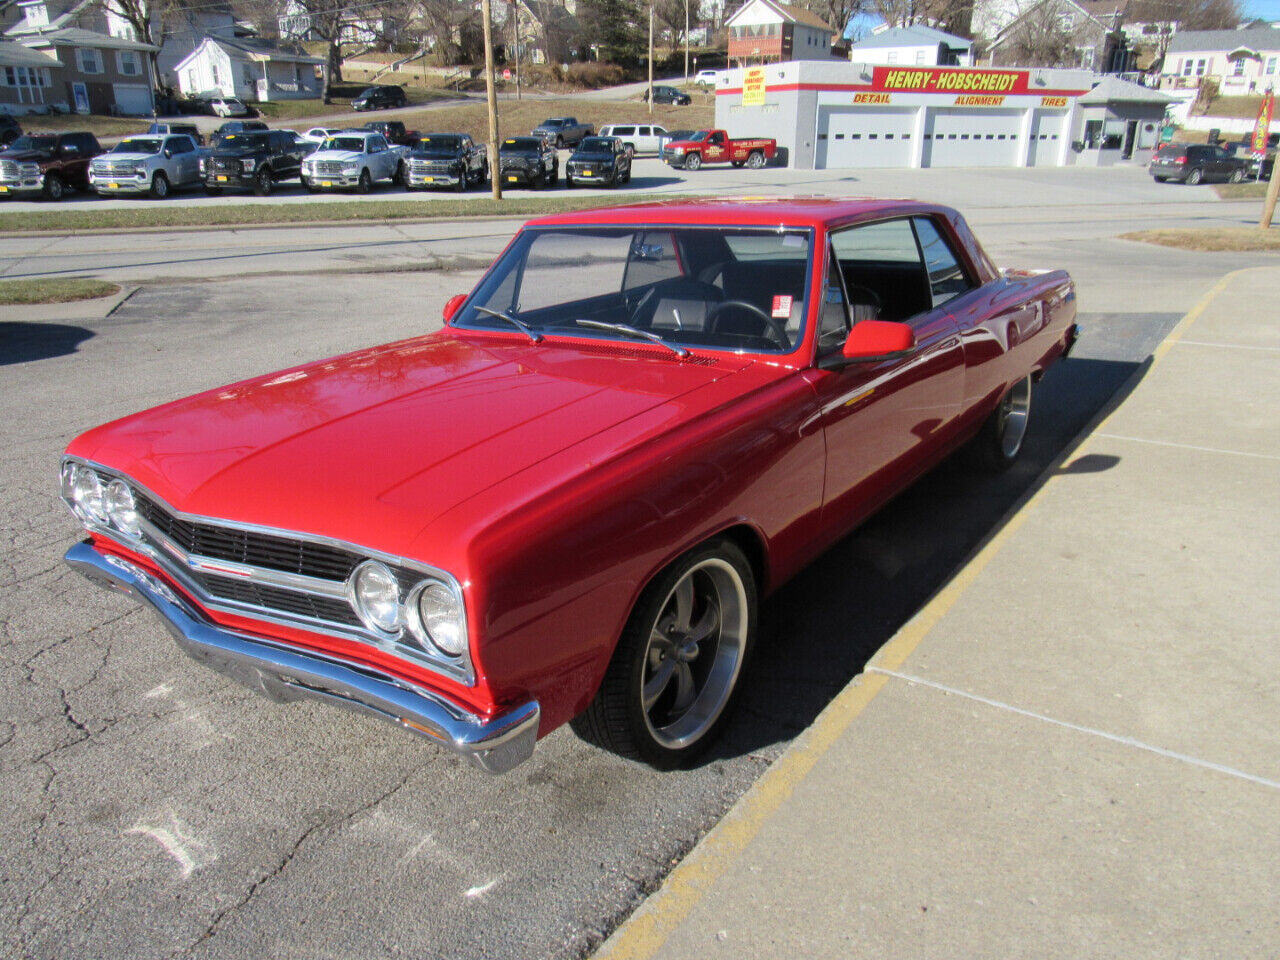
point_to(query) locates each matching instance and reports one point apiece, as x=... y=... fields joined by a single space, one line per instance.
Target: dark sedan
x=599 y=160
x=528 y=162
x=1193 y=163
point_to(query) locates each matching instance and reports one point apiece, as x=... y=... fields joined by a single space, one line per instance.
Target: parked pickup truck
x=148 y=163
x=446 y=160
x=394 y=131
x=714 y=146
x=256 y=160
x=563 y=131
x=47 y=163
x=354 y=159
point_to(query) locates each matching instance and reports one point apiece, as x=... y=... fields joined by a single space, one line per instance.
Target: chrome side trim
x=494 y=744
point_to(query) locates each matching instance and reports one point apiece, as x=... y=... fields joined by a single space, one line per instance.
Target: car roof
x=746 y=211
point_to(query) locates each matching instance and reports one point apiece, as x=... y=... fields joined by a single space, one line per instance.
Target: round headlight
x=438 y=618
x=121 y=508
x=86 y=493
x=375 y=594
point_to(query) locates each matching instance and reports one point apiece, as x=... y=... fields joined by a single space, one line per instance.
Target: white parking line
x=1189 y=446
x=1091 y=731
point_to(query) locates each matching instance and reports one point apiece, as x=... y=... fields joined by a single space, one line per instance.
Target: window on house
x=920 y=55
x=1237 y=69
x=88 y=60
x=213 y=68
x=128 y=63
x=1187 y=67
x=1200 y=66
x=1271 y=66
x=246 y=74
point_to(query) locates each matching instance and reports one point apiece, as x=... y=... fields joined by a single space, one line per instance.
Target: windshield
x=552 y=123
x=354 y=144
x=138 y=145
x=441 y=143
x=521 y=143
x=596 y=145
x=718 y=288
x=242 y=141
x=699 y=136
x=33 y=143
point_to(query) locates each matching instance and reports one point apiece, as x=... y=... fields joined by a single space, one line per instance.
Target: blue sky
x=1267 y=9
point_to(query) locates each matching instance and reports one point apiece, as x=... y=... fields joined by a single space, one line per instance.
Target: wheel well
x=748 y=540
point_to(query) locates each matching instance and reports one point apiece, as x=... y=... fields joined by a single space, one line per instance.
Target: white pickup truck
x=353 y=159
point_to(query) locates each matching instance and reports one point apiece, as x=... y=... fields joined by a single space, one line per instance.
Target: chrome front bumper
x=282 y=673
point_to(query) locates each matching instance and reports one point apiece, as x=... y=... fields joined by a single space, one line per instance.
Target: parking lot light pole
x=651 y=56
x=495 y=167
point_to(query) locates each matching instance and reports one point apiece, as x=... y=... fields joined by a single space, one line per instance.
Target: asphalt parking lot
x=158 y=811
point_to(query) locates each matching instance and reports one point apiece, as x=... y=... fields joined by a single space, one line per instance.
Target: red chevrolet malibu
x=567 y=504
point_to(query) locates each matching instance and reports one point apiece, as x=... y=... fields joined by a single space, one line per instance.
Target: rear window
x=1171 y=150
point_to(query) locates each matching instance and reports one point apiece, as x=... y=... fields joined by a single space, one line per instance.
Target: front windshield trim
x=138 y=145
x=573 y=331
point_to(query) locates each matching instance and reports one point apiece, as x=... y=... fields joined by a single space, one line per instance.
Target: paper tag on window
x=781 y=306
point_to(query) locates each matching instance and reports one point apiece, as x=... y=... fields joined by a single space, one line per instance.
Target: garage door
x=957 y=137
x=854 y=138
x=132 y=99
x=1048 y=129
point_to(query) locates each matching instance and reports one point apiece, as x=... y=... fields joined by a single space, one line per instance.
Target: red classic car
x=567 y=504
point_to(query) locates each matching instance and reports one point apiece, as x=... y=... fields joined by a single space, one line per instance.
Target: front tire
x=693 y=161
x=262 y=183
x=1000 y=441
x=54 y=188
x=671 y=681
x=159 y=186
x=364 y=183
x=1237 y=176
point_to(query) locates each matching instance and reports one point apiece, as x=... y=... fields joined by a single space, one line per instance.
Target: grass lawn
x=1223 y=240
x=30 y=292
x=520 y=204
x=99 y=126
x=1241 y=191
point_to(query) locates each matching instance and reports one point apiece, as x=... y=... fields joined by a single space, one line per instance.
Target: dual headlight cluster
x=99 y=503
x=430 y=610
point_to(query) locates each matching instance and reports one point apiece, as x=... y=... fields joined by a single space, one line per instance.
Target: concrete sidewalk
x=1074 y=749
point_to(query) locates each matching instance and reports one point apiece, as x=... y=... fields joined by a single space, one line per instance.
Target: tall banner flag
x=1262 y=129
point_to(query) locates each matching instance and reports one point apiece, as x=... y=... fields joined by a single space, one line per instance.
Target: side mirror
x=452 y=305
x=168 y=154
x=872 y=341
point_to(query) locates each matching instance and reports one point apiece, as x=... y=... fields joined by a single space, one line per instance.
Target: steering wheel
x=635 y=311
x=777 y=329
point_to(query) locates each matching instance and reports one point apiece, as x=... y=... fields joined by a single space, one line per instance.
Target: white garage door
x=852 y=138
x=132 y=99
x=959 y=137
x=1048 y=129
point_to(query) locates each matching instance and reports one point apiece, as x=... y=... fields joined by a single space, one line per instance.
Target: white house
x=916 y=44
x=1242 y=61
x=184 y=28
x=251 y=69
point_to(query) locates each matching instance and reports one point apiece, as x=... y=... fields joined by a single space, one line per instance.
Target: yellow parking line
x=643 y=935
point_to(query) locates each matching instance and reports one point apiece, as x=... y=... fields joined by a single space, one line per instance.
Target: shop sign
x=871 y=98
x=1053 y=101
x=979 y=101
x=753 y=87
x=1262 y=127
x=942 y=80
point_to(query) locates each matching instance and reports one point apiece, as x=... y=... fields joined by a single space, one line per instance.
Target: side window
x=833 y=325
x=947 y=277
x=884 y=276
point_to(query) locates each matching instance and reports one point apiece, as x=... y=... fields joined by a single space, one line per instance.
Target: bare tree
x=1038 y=38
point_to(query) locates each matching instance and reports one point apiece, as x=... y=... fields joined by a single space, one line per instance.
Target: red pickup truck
x=714 y=146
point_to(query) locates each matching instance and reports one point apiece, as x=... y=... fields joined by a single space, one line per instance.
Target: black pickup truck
x=563 y=131
x=394 y=131
x=256 y=160
x=445 y=160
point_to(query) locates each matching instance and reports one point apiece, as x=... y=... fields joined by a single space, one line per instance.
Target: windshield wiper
x=633 y=332
x=518 y=324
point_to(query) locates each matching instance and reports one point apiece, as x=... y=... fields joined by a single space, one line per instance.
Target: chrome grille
x=220 y=165
x=9 y=170
x=328 y=168
x=432 y=167
x=108 y=168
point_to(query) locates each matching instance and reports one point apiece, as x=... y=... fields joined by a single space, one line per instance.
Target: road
x=156 y=810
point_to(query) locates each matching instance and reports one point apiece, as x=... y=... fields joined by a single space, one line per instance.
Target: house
x=765 y=31
x=916 y=44
x=295 y=24
x=251 y=69
x=26 y=79
x=185 y=27
x=1064 y=33
x=1241 y=61
x=551 y=30
x=100 y=74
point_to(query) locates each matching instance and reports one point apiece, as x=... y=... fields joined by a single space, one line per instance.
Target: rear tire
x=1000 y=441
x=1237 y=176
x=671 y=681
x=1194 y=176
x=756 y=160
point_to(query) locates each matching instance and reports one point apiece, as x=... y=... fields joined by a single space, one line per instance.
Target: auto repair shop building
x=833 y=115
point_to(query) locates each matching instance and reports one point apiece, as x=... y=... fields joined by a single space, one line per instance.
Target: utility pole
x=686 y=42
x=495 y=168
x=515 y=41
x=651 y=56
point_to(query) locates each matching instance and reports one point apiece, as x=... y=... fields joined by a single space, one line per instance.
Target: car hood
x=25 y=156
x=436 y=155
x=521 y=154
x=373 y=446
x=126 y=157
x=342 y=156
x=592 y=157
x=684 y=143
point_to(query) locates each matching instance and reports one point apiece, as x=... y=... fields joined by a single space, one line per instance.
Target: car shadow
x=24 y=342
x=819 y=630
x=648 y=183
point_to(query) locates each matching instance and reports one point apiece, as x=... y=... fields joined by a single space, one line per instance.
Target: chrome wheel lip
x=713 y=580
x=1015 y=410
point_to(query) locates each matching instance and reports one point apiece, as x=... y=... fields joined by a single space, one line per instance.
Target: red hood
x=372 y=446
